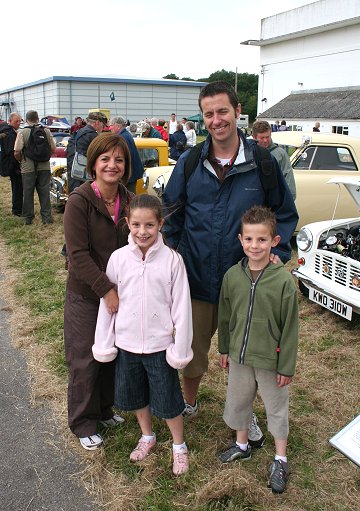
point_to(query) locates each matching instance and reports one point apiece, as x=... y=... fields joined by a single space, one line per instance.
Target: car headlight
x=146 y=179
x=304 y=239
x=159 y=186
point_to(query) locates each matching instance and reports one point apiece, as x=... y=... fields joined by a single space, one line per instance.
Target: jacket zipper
x=249 y=316
x=142 y=305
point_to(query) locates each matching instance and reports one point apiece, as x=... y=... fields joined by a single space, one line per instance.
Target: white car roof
x=352 y=184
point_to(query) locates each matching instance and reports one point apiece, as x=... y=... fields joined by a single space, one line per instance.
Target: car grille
x=339 y=271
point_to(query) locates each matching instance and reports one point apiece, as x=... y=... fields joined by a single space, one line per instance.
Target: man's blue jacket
x=203 y=217
x=137 y=169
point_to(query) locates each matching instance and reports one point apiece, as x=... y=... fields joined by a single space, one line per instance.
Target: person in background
x=282 y=126
x=77 y=125
x=258 y=340
x=146 y=379
x=9 y=164
x=202 y=224
x=316 y=127
x=275 y=126
x=190 y=134
x=34 y=174
x=81 y=139
x=133 y=129
x=261 y=132
x=149 y=132
x=171 y=125
x=183 y=122
x=94 y=226
x=159 y=125
x=177 y=142
x=118 y=126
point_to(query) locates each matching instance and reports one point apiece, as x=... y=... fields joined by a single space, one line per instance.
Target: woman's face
x=110 y=167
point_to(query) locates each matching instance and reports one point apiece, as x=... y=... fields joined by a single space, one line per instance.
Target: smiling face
x=257 y=242
x=220 y=119
x=109 y=167
x=144 y=227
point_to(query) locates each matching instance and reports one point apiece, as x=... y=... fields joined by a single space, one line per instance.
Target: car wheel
x=303 y=289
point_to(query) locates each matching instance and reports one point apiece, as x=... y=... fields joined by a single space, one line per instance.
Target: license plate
x=342 y=309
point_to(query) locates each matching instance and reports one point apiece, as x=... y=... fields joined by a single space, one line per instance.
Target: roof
x=109 y=79
x=341 y=103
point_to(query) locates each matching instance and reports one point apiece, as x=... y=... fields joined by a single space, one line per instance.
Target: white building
x=134 y=98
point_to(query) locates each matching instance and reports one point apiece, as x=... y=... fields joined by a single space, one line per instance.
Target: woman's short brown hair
x=104 y=143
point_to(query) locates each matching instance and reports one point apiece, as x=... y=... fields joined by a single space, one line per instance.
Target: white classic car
x=329 y=258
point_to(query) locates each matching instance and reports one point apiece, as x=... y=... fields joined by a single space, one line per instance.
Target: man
x=149 y=132
x=118 y=126
x=172 y=124
x=206 y=210
x=80 y=141
x=35 y=174
x=159 y=126
x=183 y=122
x=316 y=127
x=9 y=165
x=261 y=132
x=177 y=142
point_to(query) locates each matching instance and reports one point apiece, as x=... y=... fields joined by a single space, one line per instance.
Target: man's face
x=79 y=121
x=220 y=117
x=173 y=117
x=15 y=122
x=115 y=128
x=99 y=126
x=263 y=139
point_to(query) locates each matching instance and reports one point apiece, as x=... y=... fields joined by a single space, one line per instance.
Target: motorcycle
x=58 y=182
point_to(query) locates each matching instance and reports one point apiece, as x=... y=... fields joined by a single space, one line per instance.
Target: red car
x=61 y=140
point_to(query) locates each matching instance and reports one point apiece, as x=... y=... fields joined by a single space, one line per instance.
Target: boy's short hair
x=260 y=215
x=260 y=127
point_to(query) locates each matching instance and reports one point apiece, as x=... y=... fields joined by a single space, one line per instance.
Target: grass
x=323 y=398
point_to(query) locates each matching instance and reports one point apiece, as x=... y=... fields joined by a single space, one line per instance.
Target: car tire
x=303 y=289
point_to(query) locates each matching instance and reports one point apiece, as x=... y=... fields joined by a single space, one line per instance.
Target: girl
x=95 y=226
x=151 y=332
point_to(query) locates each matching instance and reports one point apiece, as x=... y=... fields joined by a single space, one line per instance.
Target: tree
x=171 y=76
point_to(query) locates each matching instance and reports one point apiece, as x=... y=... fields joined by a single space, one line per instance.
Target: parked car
x=153 y=153
x=316 y=158
x=329 y=258
x=61 y=140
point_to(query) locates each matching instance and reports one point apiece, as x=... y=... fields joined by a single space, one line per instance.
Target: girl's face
x=110 y=167
x=144 y=227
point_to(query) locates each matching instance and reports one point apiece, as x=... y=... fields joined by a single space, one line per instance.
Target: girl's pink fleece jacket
x=154 y=305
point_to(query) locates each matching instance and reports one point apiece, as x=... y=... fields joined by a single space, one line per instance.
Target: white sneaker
x=190 y=411
x=114 y=421
x=256 y=437
x=92 y=442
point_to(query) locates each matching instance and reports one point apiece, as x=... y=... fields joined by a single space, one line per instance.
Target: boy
x=258 y=339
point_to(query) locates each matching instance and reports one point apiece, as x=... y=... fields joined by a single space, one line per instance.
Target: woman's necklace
x=110 y=203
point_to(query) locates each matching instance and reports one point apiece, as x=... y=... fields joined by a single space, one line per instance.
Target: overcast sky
x=139 y=38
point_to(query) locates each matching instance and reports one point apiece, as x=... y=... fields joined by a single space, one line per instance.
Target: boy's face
x=257 y=242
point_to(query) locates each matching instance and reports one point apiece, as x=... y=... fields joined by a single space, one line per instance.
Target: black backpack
x=38 y=146
x=268 y=174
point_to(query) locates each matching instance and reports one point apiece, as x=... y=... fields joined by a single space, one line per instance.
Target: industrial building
x=132 y=98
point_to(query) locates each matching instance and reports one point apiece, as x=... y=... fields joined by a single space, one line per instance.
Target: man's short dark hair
x=32 y=116
x=214 y=88
x=260 y=127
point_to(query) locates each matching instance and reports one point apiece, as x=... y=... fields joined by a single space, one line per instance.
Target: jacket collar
x=247 y=144
x=159 y=242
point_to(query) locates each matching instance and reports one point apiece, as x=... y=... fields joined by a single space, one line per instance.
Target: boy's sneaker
x=115 y=420
x=142 y=449
x=181 y=462
x=190 y=411
x=91 y=442
x=234 y=453
x=278 y=476
x=256 y=437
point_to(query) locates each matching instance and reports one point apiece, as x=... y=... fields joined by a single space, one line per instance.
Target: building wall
x=312 y=47
x=134 y=101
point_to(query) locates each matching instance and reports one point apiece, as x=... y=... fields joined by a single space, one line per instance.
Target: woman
x=190 y=135
x=94 y=224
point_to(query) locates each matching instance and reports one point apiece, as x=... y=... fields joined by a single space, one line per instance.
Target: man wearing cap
x=96 y=123
x=118 y=126
x=150 y=132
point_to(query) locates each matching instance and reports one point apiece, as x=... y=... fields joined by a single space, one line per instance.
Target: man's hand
x=111 y=300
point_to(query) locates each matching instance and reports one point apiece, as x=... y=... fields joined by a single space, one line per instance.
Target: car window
x=149 y=157
x=325 y=158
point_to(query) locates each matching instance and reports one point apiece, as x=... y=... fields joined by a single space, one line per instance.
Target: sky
x=138 y=38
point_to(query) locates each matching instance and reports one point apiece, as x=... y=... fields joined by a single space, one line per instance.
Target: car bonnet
x=352 y=184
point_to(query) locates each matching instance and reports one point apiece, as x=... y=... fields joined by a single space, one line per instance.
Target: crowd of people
x=128 y=327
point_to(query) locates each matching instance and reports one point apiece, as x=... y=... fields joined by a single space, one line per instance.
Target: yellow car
x=154 y=155
x=316 y=158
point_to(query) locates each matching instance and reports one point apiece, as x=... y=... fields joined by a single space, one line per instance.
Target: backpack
x=38 y=146
x=268 y=174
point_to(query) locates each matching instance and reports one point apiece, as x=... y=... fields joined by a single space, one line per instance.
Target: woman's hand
x=111 y=300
